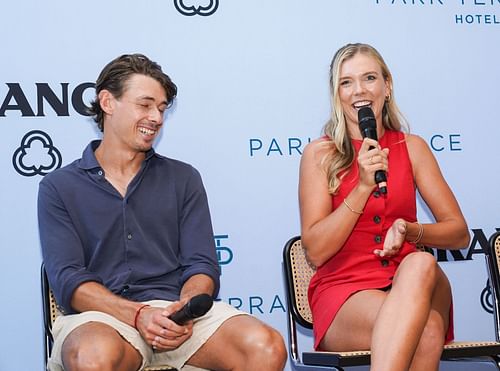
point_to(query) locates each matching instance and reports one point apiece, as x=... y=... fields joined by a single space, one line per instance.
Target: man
x=127 y=240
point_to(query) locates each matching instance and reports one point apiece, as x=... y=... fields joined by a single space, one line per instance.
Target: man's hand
x=159 y=331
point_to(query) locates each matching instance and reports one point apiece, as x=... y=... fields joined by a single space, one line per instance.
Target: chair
x=50 y=313
x=298 y=272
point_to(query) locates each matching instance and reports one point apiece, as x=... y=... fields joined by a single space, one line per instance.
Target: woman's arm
x=450 y=229
x=324 y=232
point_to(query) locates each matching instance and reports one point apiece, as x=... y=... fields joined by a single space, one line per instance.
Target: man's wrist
x=137 y=313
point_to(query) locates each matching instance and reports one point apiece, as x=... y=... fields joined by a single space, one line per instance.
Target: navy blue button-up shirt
x=142 y=246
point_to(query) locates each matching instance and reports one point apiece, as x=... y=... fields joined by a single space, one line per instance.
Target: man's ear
x=107 y=101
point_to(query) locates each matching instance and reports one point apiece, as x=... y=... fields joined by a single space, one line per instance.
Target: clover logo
x=196 y=9
x=36 y=155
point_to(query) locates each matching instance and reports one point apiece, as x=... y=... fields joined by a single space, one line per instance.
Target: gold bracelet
x=350 y=208
x=420 y=234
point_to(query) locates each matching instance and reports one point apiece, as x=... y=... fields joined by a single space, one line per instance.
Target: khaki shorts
x=203 y=328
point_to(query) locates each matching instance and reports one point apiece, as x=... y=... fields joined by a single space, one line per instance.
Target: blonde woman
x=373 y=288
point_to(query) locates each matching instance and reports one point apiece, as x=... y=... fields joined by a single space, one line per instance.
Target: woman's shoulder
x=319 y=146
x=415 y=142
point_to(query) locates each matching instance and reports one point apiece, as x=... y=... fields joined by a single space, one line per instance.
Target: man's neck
x=120 y=166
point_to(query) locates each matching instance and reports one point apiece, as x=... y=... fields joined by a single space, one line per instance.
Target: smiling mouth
x=361 y=104
x=147 y=131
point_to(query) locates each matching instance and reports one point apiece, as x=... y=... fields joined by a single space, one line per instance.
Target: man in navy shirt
x=127 y=240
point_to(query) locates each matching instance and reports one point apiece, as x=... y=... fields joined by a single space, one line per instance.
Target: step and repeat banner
x=253 y=91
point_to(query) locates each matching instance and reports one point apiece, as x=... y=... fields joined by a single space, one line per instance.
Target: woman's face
x=361 y=84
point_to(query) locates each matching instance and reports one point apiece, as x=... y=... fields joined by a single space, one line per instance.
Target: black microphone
x=368 y=128
x=196 y=307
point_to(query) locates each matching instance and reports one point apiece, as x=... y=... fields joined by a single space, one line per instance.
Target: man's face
x=134 y=120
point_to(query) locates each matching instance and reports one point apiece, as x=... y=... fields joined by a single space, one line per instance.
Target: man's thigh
x=206 y=330
x=230 y=344
x=65 y=326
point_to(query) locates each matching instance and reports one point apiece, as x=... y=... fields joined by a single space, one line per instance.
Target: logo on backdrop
x=59 y=99
x=224 y=253
x=277 y=147
x=196 y=9
x=487 y=298
x=37 y=155
x=478 y=245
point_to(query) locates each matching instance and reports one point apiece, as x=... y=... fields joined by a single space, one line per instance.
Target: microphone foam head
x=200 y=304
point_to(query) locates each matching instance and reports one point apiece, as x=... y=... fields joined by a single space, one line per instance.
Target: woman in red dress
x=373 y=288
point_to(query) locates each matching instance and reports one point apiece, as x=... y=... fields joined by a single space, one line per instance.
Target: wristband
x=137 y=312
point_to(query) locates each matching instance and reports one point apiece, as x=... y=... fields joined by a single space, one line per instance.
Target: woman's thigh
x=352 y=327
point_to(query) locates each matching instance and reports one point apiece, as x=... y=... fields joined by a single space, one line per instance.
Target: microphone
x=368 y=128
x=196 y=307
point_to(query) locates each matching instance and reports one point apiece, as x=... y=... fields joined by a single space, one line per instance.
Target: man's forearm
x=197 y=284
x=94 y=296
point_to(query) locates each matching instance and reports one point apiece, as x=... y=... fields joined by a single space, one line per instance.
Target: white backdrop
x=252 y=78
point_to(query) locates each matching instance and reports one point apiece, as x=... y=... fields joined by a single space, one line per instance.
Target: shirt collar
x=89 y=160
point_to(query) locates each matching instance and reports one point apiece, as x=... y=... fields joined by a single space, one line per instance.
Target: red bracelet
x=137 y=312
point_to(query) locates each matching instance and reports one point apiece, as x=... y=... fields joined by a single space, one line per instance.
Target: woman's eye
x=345 y=83
x=371 y=77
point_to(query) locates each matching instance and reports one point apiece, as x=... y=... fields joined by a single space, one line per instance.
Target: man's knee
x=266 y=343
x=98 y=347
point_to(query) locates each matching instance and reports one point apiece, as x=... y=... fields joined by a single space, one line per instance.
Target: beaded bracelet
x=420 y=234
x=137 y=312
x=350 y=208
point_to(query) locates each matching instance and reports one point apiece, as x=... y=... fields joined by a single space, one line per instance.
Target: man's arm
x=197 y=284
x=197 y=246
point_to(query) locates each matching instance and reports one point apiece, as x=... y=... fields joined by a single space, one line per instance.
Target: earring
x=388 y=98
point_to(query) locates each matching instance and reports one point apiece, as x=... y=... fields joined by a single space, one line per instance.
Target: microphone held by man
x=196 y=307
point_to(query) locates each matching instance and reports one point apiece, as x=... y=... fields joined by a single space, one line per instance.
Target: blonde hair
x=341 y=152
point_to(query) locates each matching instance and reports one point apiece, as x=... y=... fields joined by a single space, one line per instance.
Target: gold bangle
x=350 y=208
x=420 y=234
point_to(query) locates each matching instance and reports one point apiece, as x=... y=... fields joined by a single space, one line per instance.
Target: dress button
x=377 y=219
x=129 y=236
x=376 y=194
x=384 y=262
x=378 y=239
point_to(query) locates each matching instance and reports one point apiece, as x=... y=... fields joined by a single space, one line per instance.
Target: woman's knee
x=420 y=267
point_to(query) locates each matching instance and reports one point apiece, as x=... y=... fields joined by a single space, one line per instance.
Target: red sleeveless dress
x=355 y=267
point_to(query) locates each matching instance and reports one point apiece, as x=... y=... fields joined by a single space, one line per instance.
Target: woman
x=373 y=288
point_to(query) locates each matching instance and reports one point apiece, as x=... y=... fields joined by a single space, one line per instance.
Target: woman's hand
x=371 y=160
x=393 y=239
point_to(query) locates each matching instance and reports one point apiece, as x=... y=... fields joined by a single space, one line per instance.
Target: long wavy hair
x=341 y=152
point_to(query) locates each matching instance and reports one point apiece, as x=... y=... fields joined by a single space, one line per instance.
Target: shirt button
x=376 y=194
x=377 y=219
x=99 y=172
x=384 y=262
x=129 y=236
x=378 y=239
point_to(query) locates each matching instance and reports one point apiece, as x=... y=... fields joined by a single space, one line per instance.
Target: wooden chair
x=50 y=313
x=298 y=272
